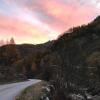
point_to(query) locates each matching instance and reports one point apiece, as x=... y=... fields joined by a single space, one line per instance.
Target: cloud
x=45 y=19
x=21 y=31
x=61 y=16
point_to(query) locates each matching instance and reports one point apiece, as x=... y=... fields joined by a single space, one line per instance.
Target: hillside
x=73 y=66
x=18 y=62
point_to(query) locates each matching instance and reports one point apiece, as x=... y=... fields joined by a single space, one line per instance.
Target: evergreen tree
x=12 y=41
x=1 y=42
x=11 y=54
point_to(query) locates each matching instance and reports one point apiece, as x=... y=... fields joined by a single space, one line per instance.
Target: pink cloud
x=68 y=15
x=41 y=20
x=61 y=16
x=21 y=30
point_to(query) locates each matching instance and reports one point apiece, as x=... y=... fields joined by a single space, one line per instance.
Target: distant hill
x=19 y=62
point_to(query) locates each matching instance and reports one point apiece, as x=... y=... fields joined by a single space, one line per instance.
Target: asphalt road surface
x=10 y=91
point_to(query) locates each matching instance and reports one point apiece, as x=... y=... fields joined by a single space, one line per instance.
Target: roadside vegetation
x=34 y=92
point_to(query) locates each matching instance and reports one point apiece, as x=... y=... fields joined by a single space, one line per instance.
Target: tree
x=9 y=54
x=12 y=41
x=1 y=42
x=94 y=62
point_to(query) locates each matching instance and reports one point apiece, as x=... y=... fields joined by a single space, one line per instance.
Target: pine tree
x=12 y=41
x=12 y=54
x=1 y=42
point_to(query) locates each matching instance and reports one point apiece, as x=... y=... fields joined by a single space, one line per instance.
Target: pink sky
x=37 y=21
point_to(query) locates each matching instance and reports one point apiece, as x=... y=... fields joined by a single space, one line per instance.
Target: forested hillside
x=20 y=62
x=73 y=66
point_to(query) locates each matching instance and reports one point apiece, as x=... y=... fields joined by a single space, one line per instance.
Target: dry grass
x=32 y=92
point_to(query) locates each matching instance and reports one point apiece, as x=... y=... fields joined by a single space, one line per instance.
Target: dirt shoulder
x=33 y=92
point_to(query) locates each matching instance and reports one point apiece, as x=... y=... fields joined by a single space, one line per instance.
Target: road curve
x=10 y=91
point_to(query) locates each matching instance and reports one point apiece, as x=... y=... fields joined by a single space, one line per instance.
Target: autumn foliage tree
x=9 y=54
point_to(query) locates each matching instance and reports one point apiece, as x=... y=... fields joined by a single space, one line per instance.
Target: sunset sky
x=37 y=21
